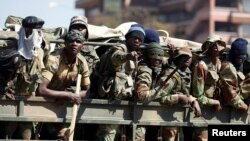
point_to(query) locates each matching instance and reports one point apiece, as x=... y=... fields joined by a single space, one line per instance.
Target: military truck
x=128 y=113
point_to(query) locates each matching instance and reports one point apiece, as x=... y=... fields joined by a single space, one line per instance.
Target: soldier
x=88 y=51
x=150 y=78
x=116 y=71
x=231 y=75
x=30 y=44
x=205 y=78
x=61 y=71
x=10 y=61
x=178 y=88
x=81 y=23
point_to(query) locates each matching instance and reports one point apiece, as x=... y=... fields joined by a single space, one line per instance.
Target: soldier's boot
x=200 y=134
x=25 y=130
x=140 y=133
x=169 y=133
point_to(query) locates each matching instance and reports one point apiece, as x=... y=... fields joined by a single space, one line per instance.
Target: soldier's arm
x=198 y=86
x=228 y=83
x=143 y=82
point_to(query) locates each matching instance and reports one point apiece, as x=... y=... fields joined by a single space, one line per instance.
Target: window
x=225 y=27
x=178 y=16
x=226 y=3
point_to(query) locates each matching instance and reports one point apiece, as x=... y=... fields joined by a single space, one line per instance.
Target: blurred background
x=187 y=19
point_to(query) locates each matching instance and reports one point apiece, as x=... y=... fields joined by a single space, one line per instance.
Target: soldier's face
x=74 y=46
x=82 y=28
x=214 y=50
x=155 y=62
x=184 y=60
x=240 y=58
x=134 y=42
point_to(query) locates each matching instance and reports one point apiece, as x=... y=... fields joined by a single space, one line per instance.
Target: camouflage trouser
x=200 y=134
x=172 y=134
x=140 y=133
x=106 y=132
x=24 y=129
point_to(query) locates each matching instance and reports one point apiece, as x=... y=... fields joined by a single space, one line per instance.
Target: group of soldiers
x=126 y=71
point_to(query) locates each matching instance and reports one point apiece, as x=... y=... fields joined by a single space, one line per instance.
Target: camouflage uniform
x=146 y=80
x=229 y=83
x=116 y=72
x=178 y=85
x=62 y=74
x=205 y=79
x=29 y=72
x=29 y=75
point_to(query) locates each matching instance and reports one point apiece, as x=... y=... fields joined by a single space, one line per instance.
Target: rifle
x=159 y=137
x=74 y=109
x=123 y=136
x=172 y=73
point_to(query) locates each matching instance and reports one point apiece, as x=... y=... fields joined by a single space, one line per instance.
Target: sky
x=55 y=13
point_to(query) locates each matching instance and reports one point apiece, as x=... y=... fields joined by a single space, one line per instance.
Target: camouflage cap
x=74 y=35
x=80 y=20
x=154 y=50
x=183 y=51
x=213 y=39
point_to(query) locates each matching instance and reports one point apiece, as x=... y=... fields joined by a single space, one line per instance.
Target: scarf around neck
x=27 y=47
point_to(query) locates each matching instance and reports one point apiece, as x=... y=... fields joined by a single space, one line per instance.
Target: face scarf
x=27 y=47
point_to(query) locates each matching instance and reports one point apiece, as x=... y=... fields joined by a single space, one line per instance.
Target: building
x=193 y=19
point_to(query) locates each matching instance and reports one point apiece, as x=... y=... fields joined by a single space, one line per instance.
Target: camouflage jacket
x=229 y=83
x=29 y=75
x=62 y=74
x=204 y=80
x=116 y=73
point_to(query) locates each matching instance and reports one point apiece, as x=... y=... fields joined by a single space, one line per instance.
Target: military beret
x=32 y=22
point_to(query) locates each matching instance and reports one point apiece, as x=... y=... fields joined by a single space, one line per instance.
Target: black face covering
x=238 y=52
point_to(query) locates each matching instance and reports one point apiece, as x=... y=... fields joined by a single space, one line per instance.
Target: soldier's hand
x=183 y=99
x=218 y=106
x=141 y=97
x=10 y=94
x=74 y=98
x=133 y=56
x=196 y=107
